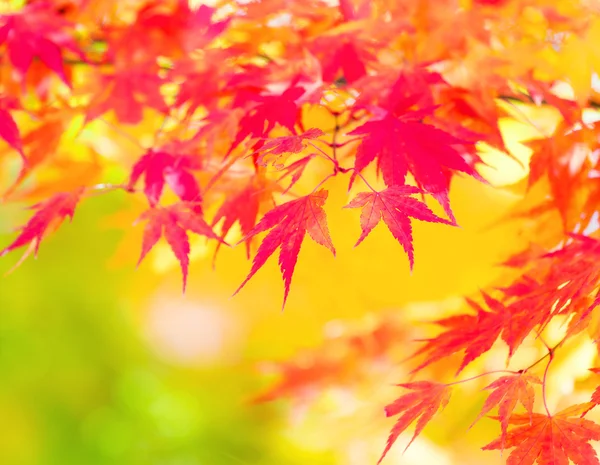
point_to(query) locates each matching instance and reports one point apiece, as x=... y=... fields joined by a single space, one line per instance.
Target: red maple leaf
x=242 y=207
x=471 y=115
x=270 y=110
x=551 y=440
x=402 y=146
x=295 y=170
x=289 y=223
x=507 y=391
x=420 y=406
x=127 y=92
x=165 y=30
x=395 y=206
x=50 y=213
x=159 y=167
x=174 y=221
x=341 y=56
x=37 y=31
x=288 y=144
x=473 y=334
x=9 y=131
x=201 y=82
x=555 y=283
x=406 y=95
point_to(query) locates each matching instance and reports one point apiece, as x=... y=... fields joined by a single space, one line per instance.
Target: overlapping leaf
x=9 y=130
x=173 y=222
x=243 y=208
x=37 y=31
x=507 y=392
x=287 y=144
x=127 y=92
x=471 y=334
x=550 y=440
x=267 y=112
x=50 y=214
x=403 y=146
x=160 y=167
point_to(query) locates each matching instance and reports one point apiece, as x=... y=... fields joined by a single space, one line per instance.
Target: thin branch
x=482 y=375
x=323 y=153
x=551 y=354
x=329 y=176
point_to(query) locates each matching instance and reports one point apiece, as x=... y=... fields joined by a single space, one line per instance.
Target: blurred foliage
x=79 y=385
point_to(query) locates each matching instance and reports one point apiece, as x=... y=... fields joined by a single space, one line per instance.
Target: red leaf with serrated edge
x=289 y=223
x=201 y=85
x=421 y=405
x=473 y=334
x=555 y=283
x=9 y=131
x=596 y=393
x=159 y=167
x=288 y=144
x=243 y=208
x=295 y=170
x=164 y=31
x=507 y=391
x=49 y=212
x=37 y=31
x=402 y=146
x=128 y=92
x=551 y=440
x=173 y=222
x=395 y=206
x=341 y=59
x=270 y=110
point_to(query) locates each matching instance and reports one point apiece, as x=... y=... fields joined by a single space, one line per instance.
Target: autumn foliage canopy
x=231 y=111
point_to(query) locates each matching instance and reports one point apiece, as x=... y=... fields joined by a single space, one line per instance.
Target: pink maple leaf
x=37 y=31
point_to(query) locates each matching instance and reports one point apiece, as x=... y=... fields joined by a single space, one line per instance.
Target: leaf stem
x=334 y=136
x=323 y=181
x=324 y=154
x=551 y=354
x=551 y=350
x=360 y=175
x=481 y=375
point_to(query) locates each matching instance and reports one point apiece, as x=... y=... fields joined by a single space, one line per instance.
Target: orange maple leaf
x=508 y=390
x=472 y=334
x=551 y=439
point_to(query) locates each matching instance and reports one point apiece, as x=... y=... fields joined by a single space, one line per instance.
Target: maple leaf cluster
x=217 y=104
